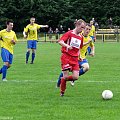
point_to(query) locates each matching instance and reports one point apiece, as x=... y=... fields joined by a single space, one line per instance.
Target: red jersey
x=76 y=41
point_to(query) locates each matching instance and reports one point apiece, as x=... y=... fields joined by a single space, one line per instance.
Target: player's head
x=32 y=20
x=9 y=24
x=79 y=25
x=91 y=22
x=87 y=29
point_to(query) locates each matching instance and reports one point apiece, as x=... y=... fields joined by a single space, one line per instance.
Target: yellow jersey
x=83 y=50
x=6 y=38
x=31 y=31
x=92 y=31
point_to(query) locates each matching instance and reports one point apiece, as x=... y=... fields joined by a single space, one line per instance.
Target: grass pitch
x=30 y=93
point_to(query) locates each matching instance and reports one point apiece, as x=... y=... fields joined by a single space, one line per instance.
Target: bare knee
x=87 y=68
x=75 y=77
x=33 y=50
x=28 y=50
x=9 y=66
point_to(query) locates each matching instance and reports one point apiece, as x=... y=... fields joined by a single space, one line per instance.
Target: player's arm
x=14 y=40
x=62 y=40
x=80 y=58
x=44 y=26
x=62 y=43
x=92 y=53
x=1 y=36
x=25 y=32
x=85 y=43
x=94 y=34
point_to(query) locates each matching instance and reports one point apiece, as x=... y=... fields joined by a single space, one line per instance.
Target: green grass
x=30 y=93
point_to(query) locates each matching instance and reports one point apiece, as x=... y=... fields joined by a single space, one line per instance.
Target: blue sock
x=89 y=50
x=0 y=70
x=59 y=79
x=33 y=57
x=81 y=72
x=27 y=56
x=4 y=71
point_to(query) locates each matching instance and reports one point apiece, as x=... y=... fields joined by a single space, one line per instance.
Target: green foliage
x=57 y=12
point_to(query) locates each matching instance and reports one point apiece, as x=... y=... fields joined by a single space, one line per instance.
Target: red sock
x=70 y=78
x=63 y=85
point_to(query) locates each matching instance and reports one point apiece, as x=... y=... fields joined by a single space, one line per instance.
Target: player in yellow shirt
x=83 y=63
x=30 y=33
x=8 y=40
x=87 y=42
x=92 y=34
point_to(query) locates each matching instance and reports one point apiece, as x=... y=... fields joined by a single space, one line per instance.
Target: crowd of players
x=76 y=44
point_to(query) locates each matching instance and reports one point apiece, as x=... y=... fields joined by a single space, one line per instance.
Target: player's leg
x=8 y=64
x=84 y=67
x=4 y=71
x=59 y=79
x=34 y=45
x=89 y=50
x=74 y=76
x=7 y=59
x=27 y=55
x=66 y=77
x=29 y=45
x=63 y=82
x=65 y=64
x=33 y=56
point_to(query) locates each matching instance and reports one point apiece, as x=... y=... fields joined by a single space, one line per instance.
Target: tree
x=58 y=12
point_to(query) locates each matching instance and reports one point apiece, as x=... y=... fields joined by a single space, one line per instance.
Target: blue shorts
x=82 y=62
x=6 y=55
x=32 y=44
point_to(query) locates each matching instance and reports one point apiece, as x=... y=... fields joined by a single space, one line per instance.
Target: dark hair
x=88 y=24
x=9 y=21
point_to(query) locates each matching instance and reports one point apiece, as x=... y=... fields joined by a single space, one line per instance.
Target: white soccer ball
x=107 y=94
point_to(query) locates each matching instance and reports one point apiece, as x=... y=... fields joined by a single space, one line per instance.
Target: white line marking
x=55 y=81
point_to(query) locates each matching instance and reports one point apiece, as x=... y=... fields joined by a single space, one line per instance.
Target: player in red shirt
x=71 y=43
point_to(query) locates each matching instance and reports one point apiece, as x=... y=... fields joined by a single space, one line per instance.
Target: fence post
x=103 y=37
x=117 y=37
x=45 y=36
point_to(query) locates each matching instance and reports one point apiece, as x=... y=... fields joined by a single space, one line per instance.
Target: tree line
x=58 y=12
